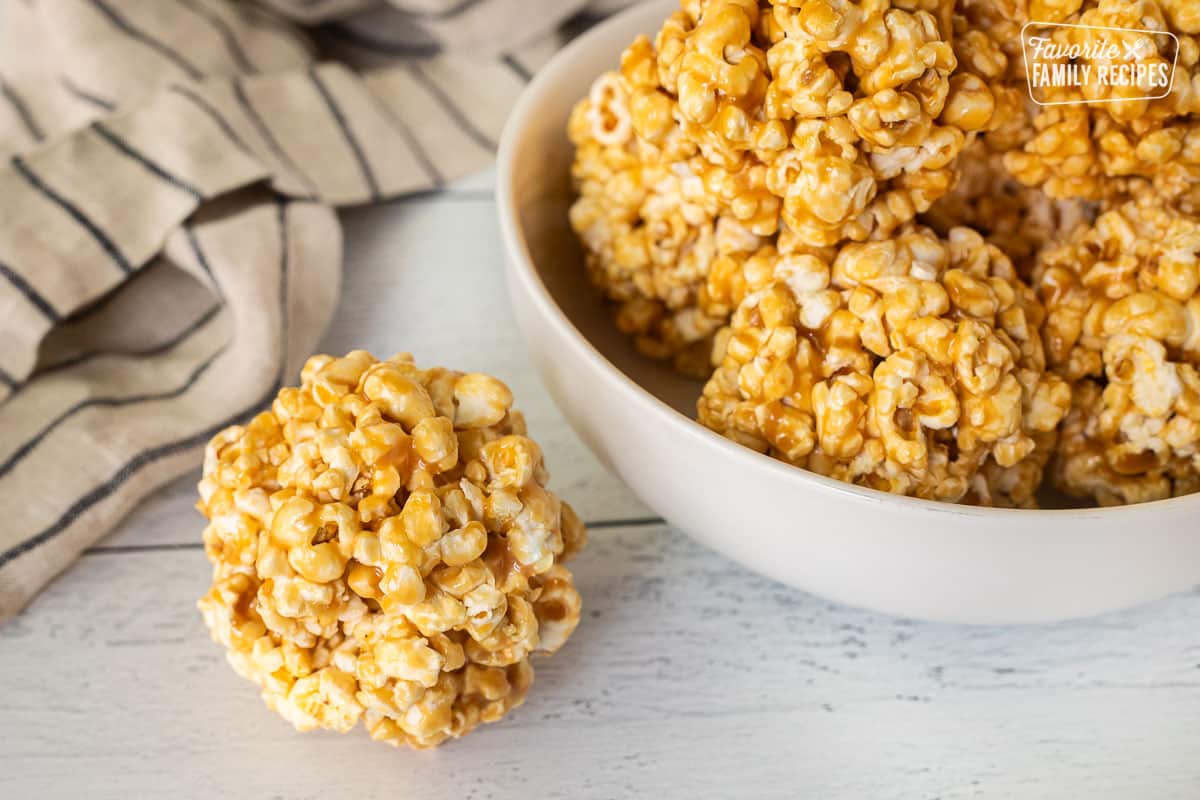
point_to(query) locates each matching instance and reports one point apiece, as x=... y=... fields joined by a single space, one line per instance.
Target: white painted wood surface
x=689 y=677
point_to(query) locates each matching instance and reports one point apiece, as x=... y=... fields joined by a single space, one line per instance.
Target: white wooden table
x=689 y=677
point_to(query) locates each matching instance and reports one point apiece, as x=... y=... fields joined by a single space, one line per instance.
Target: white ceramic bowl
x=900 y=555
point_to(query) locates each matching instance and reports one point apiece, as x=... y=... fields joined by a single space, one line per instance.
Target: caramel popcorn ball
x=384 y=549
x=650 y=229
x=1109 y=150
x=1123 y=325
x=911 y=364
x=749 y=123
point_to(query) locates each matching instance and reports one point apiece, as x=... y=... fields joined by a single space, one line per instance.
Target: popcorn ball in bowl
x=384 y=549
x=922 y=350
x=912 y=365
x=1123 y=324
x=754 y=182
x=796 y=125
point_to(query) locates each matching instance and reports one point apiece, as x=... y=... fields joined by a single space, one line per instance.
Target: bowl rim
x=737 y=455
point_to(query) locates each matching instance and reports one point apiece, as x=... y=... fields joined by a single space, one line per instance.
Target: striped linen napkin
x=169 y=249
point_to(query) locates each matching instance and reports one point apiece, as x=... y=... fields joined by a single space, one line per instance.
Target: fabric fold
x=169 y=247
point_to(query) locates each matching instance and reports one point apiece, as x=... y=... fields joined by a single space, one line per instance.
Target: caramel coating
x=1123 y=325
x=905 y=365
x=384 y=549
x=751 y=123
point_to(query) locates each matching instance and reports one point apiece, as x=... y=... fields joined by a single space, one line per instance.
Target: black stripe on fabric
x=83 y=94
x=75 y=213
x=517 y=68
x=157 y=45
x=410 y=138
x=344 y=127
x=224 y=31
x=239 y=93
x=126 y=472
x=349 y=36
x=258 y=16
x=35 y=299
x=285 y=263
x=108 y=135
x=444 y=14
x=153 y=454
x=479 y=137
x=25 y=449
x=157 y=349
x=201 y=259
x=22 y=110
x=6 y=379
x=580 y=23
x=207 y=107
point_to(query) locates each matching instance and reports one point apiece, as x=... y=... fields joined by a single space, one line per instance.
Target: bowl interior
x=543 y=194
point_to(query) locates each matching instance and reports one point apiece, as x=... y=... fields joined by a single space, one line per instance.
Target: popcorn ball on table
x=384 y=549
x=1123 y=325
x=911 y=364
x=747 y=123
